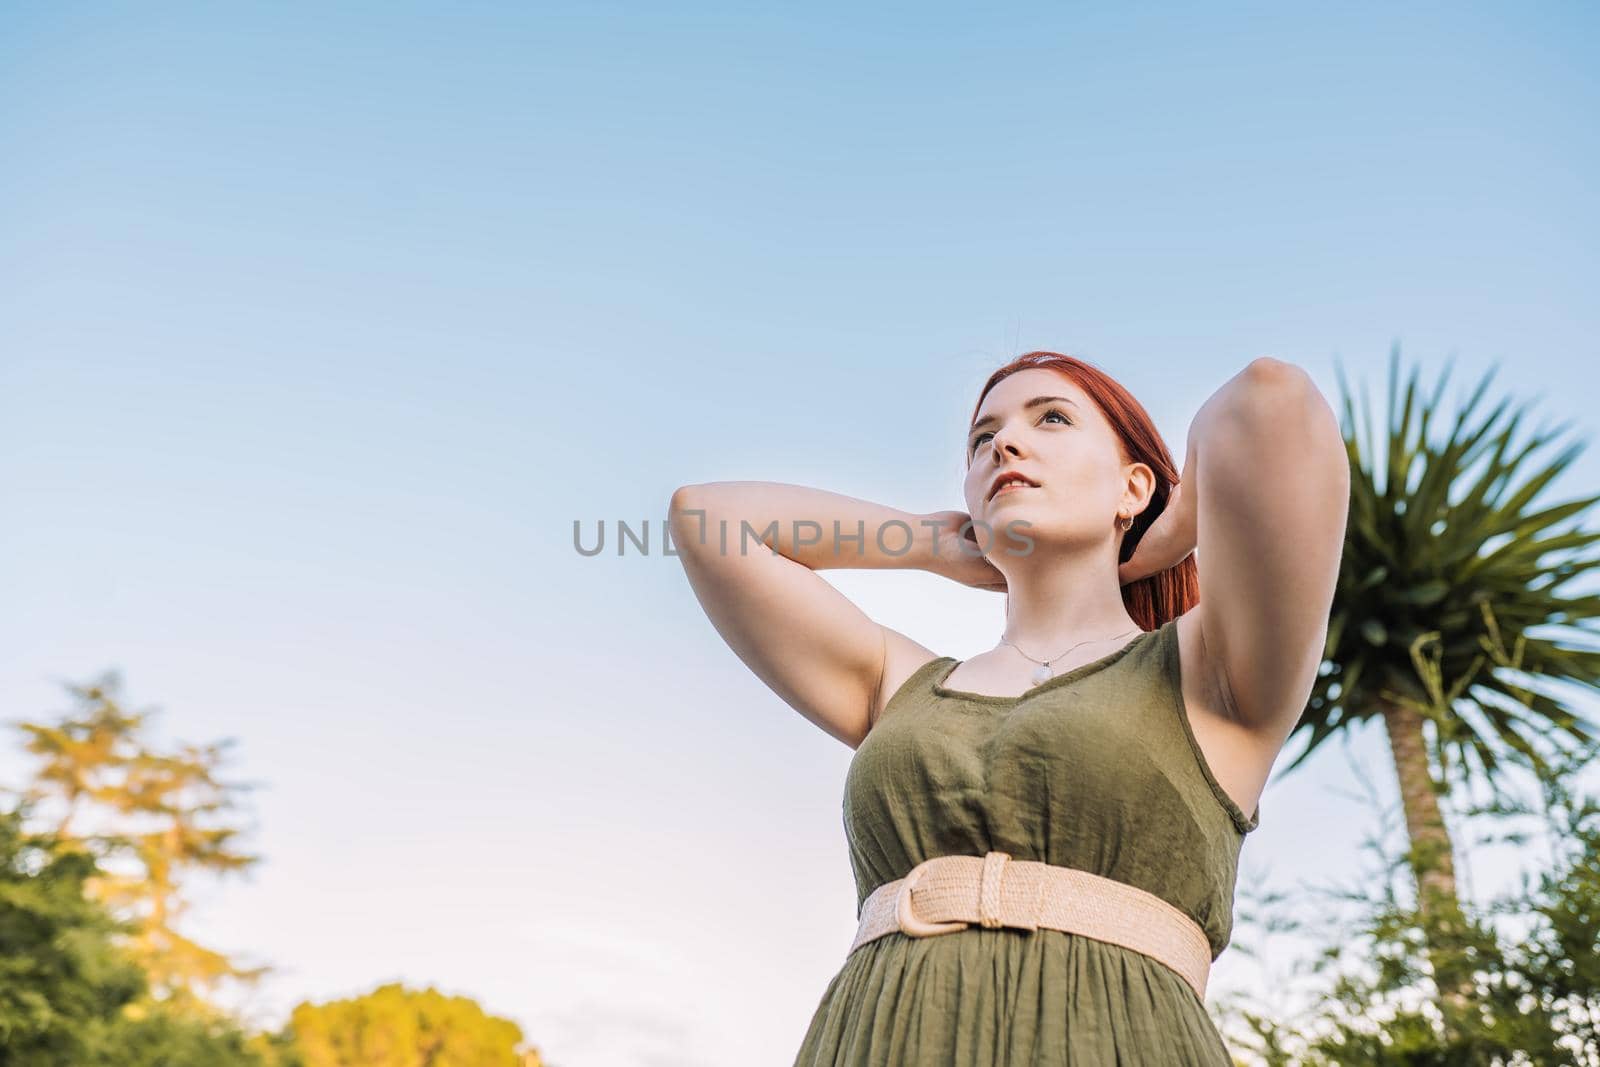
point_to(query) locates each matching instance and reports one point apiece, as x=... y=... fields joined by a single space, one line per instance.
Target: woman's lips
x=1011 y=487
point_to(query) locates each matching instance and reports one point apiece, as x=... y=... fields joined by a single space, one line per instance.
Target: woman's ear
x=1140 y=489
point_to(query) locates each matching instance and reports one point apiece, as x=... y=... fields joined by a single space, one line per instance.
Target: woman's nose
x=1003 y=445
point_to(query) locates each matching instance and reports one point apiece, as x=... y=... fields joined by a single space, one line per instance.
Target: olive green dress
x=1096 y=769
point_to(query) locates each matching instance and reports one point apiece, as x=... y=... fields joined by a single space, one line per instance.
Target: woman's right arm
x=751 y=550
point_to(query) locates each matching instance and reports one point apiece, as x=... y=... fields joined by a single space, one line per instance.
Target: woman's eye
x=978 y=438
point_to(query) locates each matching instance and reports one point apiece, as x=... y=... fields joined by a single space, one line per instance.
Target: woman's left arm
x=1263 y=500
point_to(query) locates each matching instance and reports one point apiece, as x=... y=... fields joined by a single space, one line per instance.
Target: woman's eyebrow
x=1035 y=402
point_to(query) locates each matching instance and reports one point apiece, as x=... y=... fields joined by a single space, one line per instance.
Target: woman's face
x=1040 y=424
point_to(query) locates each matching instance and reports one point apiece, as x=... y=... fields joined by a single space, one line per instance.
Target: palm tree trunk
x=1432 y=861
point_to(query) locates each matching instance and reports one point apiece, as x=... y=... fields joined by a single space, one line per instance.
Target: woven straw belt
x=948 y=893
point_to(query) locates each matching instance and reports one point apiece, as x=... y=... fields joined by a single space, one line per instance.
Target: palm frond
x=1449 y=596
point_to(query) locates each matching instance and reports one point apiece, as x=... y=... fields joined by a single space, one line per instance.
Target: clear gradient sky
x=320 y=325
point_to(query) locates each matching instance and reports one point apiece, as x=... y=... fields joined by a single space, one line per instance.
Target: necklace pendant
x=1042 y=674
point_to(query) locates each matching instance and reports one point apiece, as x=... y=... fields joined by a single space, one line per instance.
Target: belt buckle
x=910 y=925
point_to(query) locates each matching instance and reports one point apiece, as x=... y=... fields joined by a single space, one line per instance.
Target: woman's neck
x=1060 y=603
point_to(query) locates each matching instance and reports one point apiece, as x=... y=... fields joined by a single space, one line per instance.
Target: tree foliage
x=396 y=1027
x=1534 y=955
x=69 y=995
x=1451 y=623
x=152 y=819
x=1444 y=573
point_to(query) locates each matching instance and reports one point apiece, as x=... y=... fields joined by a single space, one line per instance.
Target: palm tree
x=1443 y=577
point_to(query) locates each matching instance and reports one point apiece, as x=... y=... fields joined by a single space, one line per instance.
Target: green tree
x=155 y=824
x=164 y=1037
x=1536 y=952
x=1446 y=571
x=69 y=995
x=59 y=971
x=396 y=1027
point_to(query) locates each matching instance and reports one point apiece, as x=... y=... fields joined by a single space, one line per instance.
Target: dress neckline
x=1057 y=682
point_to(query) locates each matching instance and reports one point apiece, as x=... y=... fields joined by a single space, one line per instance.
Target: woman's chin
x=1002 y=508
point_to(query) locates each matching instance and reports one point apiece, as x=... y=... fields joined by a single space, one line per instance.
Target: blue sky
x=322 y=326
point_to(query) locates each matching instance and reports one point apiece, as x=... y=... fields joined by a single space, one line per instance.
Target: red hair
x=1156 y=598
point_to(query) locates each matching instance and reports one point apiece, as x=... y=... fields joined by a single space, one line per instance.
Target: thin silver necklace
x=1043 y=673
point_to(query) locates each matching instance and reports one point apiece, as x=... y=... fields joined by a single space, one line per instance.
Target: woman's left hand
x=1168 y=541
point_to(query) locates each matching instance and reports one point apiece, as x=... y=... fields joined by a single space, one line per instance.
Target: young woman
x=1045 y=836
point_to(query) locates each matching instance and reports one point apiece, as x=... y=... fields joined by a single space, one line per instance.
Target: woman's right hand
x=958 y=555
